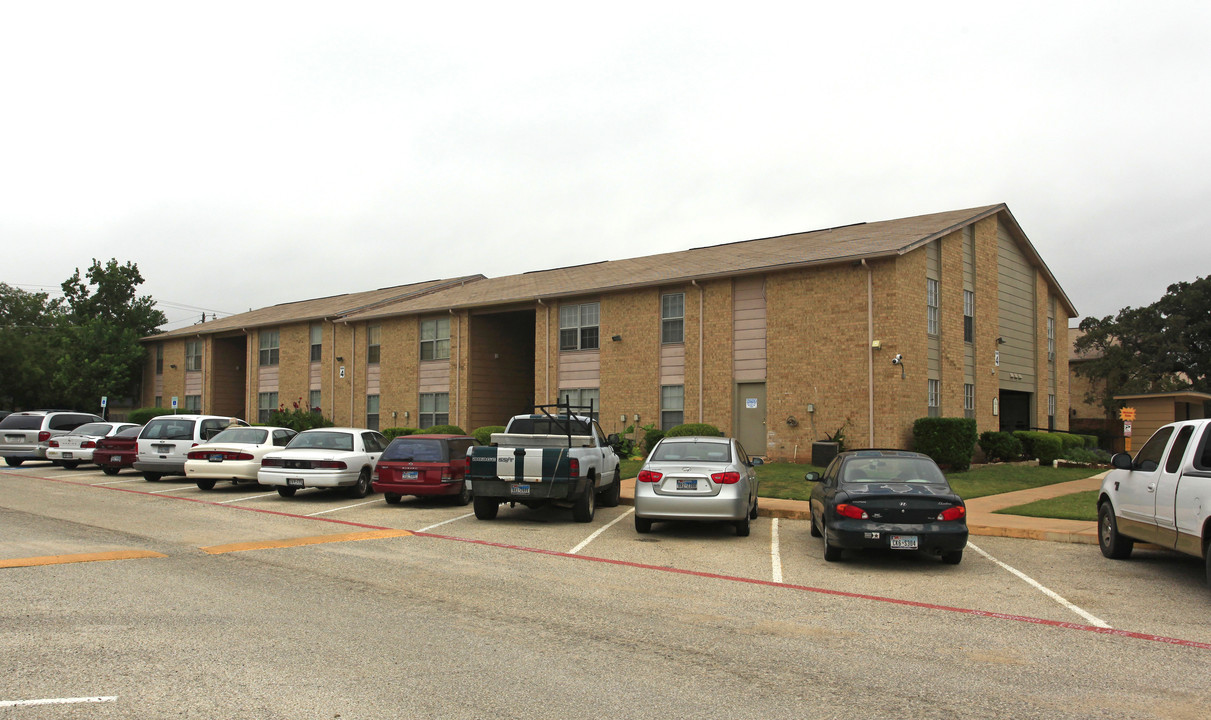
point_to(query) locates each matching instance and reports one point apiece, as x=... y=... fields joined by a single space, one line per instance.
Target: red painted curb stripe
x=692 y=573
x=839 y=593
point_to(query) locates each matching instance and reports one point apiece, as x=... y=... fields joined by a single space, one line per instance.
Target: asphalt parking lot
x=1027 y=593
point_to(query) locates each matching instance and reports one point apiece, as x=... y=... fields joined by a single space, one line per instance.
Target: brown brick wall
x=986 y=324
x=717 y=323
x=630 y=368
x=950 y=310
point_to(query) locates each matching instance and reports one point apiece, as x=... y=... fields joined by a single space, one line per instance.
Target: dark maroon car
x=117 y=451
x=424 y=465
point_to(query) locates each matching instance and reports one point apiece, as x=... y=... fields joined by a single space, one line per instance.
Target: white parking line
x=118 y=482
x=161 y=492
x=343 y=507
x=1095 y=621
x=250 y=497
x=444 y=522
x=57 y=701
x=775 y=551
x=592 y=537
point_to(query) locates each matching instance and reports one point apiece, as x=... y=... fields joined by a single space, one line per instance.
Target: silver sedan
x=697 y=478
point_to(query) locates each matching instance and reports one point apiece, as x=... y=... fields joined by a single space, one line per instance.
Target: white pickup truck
x=562 y=458
x=1162 y=495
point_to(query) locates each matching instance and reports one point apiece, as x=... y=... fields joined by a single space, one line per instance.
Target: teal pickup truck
x=562 y=458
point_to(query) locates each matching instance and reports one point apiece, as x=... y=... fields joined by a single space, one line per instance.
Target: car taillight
x=271 y=462
x=88 y=444
x=851 y=511
x=957 y=512
x=54 y=443
x=649 y=476
x=726 y=478
x=195 y=456
x=329 y=465
x=44 y=436
x=446 y=476
x=573 y=467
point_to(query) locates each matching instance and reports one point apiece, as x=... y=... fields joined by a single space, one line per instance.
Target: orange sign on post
x=1127 y=413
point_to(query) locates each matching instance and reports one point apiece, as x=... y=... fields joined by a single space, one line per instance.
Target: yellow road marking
x=79 y=558
x=296 y=542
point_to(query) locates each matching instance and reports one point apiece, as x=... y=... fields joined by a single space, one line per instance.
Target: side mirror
x=812 y=477
x=613 y=439
x=1121 y=461
x=757 y=461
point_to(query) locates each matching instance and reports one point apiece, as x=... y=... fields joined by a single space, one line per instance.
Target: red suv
x=424 y=465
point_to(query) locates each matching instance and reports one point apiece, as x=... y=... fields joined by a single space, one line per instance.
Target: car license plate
x=162 y=448
x=408 y=475
x=519 y=489
x=13 y=438
x=687 y=484
x=115 y=458
x=903 y=542
x=217 y=457
x=294 y=482
x=66 y=456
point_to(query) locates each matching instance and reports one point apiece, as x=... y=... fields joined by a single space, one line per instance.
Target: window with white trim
x=935 y=398
x=434 y=409
x=1051 y=340
x=374 y=337
x=435 y=339
x=266 y=403
x=969 y=400
x=1051 y=412
x=672 y=406
x=159 y=360
x=313 y=401
x=931 y=304
x=316 y=334
x=270 y=341
x=672 y=318
x=582 y=397
x=193 y=354
x=193 y=403
x=372 y=412
x=969 y=316
x=579 y=326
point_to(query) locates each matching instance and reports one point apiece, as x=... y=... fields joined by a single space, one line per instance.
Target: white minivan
x=165 y=441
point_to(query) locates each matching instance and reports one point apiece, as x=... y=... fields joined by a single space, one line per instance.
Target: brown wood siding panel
x=1016 y=321
x=672 y=364
x=580 y=369
x=433 y=376
x=193 y=382
x=749 y=334
x=267 y=378
x=501 y=368
x=373 y=373
x=315 y=379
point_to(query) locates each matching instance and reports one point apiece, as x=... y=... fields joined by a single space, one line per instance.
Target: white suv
x=25 y=435
x=165 y=441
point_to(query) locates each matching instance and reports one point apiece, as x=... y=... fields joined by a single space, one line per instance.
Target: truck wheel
x=152 y=477
x=585 y=505
x=486 y=508
x=392 y=498
x=110 y=470
x=643 y=525
x=286 y=491
x=206 y=484
x=464 y=496
x=1112 y=544
x=1207 y=557
x=613 y=493
x=71 y=464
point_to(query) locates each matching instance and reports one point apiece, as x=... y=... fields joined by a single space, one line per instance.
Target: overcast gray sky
x=245 y=154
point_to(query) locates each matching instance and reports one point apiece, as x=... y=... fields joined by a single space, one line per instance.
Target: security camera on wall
x=897 y=359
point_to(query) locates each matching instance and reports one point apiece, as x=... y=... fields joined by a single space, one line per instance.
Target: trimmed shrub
x=298 y=419
x=1047 y=448
x=1070 y=441
x=1001 y=446
x=1091 y=441
x=651 y=436
x=483 y=435
x=392 y=433
x=1027 y=438
x=951 y=442
x=142 y=415
x=1091 y=456
x=442 y=430
x=693 y=429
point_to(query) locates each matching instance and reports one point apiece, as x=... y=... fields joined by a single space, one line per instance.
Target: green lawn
x=785 y=480
x=1077 y=506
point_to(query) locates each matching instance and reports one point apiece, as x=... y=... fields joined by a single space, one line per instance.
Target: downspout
x=332 y=384
x=546 y=360
x=352 y=369
x=458 y=328
x=870 y=351
x=701 y=392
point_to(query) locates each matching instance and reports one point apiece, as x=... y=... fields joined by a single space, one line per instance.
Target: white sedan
x=324 y=458
x=77 y=446
x=234 y=455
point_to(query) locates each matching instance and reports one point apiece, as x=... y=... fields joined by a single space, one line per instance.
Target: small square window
x=672 y=318
x=269 y=344
x=435 y=339
x=579 y=326
x=672 y=406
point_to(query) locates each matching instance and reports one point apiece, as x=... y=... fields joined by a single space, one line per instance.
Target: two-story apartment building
x=778 y=341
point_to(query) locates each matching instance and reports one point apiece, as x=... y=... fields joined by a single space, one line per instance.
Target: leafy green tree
x=1163 y=347
x=27 y=324
x=98 y=342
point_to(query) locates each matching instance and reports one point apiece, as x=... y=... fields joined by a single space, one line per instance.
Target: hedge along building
x=780 y=341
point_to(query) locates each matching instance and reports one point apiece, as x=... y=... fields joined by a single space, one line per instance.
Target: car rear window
x=129 y=432
x=21 y=422
x=899 y=470
x=92 y=429
x=544 y=426
x=693 y=452
x=241 y=436
x=323 y=440
x=168 y=430
x=405 y=449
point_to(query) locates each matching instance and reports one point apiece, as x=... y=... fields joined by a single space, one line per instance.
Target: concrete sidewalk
x=981 y=516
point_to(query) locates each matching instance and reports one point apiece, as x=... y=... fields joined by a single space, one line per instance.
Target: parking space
x=1055 y=582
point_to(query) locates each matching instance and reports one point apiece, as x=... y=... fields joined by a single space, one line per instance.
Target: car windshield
x=322 y=440
x=21 y=422
x=715 y=452
x=891 y=469
x=168 y=430
x=241 y=436
x=92 y=429
x=414 y=450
